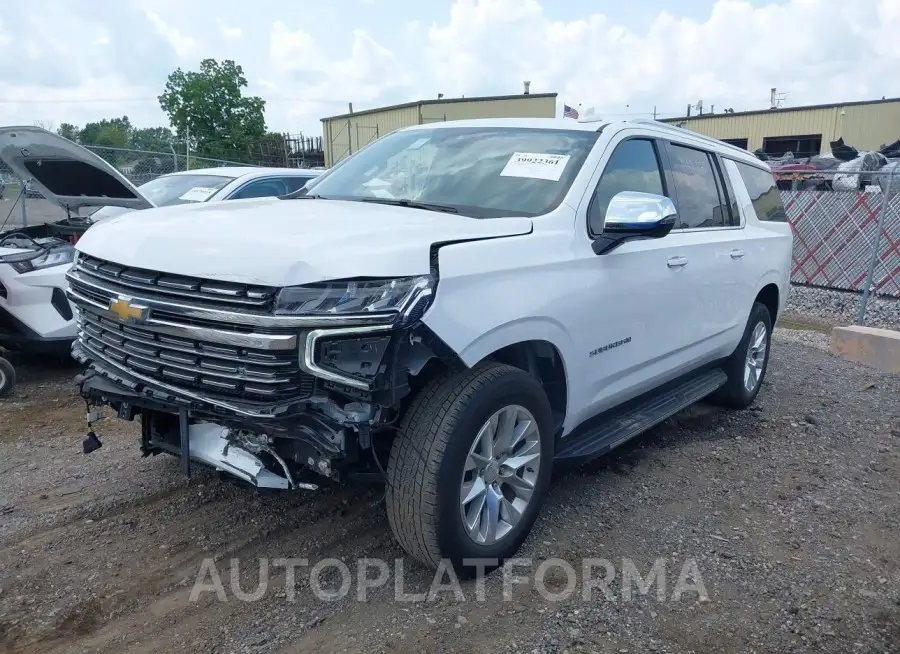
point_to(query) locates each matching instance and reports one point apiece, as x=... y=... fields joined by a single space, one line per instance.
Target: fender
x=532 y=328
x=778 y=279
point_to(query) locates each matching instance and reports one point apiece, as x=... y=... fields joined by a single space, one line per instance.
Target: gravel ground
x=839 y=308
x=789 y=511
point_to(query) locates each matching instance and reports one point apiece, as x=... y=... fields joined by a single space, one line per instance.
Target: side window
x=763 y=192
x=729 y=193
x=295 y=183
x=699 y=201
x=633 y=166
x=264 y=188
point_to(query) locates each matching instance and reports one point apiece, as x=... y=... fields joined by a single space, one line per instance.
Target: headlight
x=31 y=261
x=357 y=296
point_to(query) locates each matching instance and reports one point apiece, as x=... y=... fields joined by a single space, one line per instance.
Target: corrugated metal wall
x=521 y=107
x=864 y=126
x=344 y=135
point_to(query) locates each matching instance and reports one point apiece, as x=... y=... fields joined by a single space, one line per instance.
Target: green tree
x=152 y=139
x=69 y=131
x=114 y=133
x=210 y=106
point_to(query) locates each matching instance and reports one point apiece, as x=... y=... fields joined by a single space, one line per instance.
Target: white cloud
x=5 y=38
x=309 y=61
x=313 y=84
x=229 y=33
x=816 y=50
x=183 y=45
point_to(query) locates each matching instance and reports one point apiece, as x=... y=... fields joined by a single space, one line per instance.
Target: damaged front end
x=273 y=387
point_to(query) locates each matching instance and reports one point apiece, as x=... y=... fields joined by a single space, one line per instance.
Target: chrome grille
x=216 y=368
x=197 y=292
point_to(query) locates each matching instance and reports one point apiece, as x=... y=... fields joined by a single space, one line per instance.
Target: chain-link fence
x=846 y=230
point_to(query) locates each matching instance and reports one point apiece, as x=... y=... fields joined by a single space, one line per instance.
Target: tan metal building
x=805 y=131
x=347 y=133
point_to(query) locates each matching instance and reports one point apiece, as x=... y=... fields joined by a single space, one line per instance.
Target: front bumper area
x=18 y=336
x=209 y=444
x=35 y=315
x=230 y=449
x=299 y=394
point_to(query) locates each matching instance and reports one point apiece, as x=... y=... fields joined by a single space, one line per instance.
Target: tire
x=7 y=377
x=427 y=468
x=737 y=393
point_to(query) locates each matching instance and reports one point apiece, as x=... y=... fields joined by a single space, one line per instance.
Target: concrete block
x=879 y=348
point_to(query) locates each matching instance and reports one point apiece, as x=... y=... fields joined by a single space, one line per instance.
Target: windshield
x=180 y=189
x=483 y=172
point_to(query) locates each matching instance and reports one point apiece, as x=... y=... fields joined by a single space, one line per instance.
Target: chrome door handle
x=676 y=262
x=737 y=254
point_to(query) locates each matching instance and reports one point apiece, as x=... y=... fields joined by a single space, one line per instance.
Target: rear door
x=65 y=172
x=718 y=277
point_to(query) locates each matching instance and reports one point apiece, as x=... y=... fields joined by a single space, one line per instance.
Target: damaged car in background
x=843 y=168
x=453 y=310
x=35 y=315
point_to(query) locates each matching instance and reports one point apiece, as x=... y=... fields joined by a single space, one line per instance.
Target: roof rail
x=681 y=130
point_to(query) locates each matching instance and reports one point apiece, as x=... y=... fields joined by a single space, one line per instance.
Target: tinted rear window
x=763 y=192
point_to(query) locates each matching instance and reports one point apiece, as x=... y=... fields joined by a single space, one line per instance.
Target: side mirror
x=633 y=215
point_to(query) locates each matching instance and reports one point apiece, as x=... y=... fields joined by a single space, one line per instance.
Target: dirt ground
x=790 y=513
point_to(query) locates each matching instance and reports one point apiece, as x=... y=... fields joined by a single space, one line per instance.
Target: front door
x=633 y=328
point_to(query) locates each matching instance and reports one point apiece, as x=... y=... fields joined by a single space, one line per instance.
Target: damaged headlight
x=385 y=296
x=37 y=260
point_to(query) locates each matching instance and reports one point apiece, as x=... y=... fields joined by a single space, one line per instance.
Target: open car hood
x=65 y=172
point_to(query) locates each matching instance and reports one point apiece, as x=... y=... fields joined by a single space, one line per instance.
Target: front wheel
x=746 y=367
x=470 y=467
x=7 y=377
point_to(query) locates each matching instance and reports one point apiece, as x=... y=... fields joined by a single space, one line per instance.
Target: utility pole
x=654 y=112
x=23 y=195
x=187 y=148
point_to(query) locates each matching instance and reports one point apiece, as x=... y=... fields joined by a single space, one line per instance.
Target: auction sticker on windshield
x=536 y=165
x=198 y=194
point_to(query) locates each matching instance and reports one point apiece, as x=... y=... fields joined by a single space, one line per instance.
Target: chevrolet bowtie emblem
x=126 y=311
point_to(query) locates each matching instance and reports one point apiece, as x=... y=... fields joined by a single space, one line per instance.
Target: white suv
x=456 y=307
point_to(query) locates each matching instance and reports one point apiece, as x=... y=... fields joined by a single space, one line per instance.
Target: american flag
x=570 y=112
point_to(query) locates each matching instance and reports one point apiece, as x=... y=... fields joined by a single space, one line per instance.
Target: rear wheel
x=470 y=467
x=746 y=367
x=7 y=377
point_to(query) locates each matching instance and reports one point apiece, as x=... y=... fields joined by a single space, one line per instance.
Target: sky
x=81 y=60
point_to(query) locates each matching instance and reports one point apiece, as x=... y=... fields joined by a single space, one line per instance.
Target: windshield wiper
x=294 y=196
x=411 y=204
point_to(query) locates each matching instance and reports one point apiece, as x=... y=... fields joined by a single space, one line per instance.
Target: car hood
x=65 y=172
x=286 y=242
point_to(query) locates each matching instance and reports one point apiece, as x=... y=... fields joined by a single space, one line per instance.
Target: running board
x=610 y=430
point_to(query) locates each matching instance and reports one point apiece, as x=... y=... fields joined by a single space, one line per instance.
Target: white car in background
x=34 y=312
